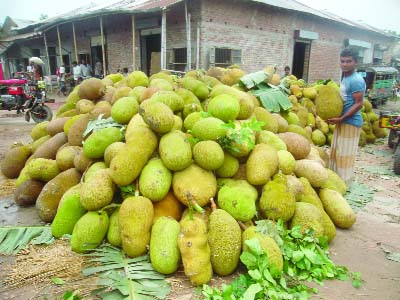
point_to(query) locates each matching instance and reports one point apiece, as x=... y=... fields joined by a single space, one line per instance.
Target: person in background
x=85 y=69
x=125 y=72
x=287 y=71
x=98 y=69
x=348 y=126
x=76 y=73
x=61 y=80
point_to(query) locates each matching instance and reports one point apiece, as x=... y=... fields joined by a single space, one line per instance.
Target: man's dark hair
x=287 y=68
x=349 y=52
x=74 y=63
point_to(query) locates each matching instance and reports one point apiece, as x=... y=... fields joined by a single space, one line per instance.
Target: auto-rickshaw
x=379 y=82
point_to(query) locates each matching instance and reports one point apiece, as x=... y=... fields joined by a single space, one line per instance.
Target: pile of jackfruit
x=315 y=103
x=140 y=162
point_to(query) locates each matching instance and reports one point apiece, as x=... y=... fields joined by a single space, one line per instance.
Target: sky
x=383 y=14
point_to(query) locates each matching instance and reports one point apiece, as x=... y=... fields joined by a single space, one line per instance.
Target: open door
x=301 y=59
x=150 y=52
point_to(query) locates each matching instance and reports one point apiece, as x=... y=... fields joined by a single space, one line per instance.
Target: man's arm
x=358 y=103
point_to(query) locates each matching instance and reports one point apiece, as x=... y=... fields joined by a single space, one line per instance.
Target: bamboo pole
x=163 y=39
x=188 y=40
x=133 y=44
x=102 y=46
x=48 y=59
x=59 y=45
x=76 y=50
x=198 y=47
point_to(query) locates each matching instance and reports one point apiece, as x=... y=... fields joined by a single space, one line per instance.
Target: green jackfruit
x=124 y=109
x=49 y=148
x=196 y=87
x=97 y=191
x=114 y=229
x=208 y=155
x=137 y=78
x=14 y=161
x=39 y=130
x=194 y=183
x=155 y=180
x=135 y=219
x=296 y=144
x=270 y=122
x=69 y=212
x=157 y=115
x=65 y=157
x=175 y=151
x=111 y=151
x=225 y=241
x=208 y=129
x=312 y=170
x=27 y=192
x=50 y=196
x=286 y=162
x=270 y=138
x=337 y=208
x=195 y=251
x=229 y=166
x=328 y=103
x=191 y=119
x=268 y=244
x=334 y=182
x=89 y=231
x=262 y=164
x=308 y=216
x=174 y=101
x=164 y=250
x=98 y=141
x=43 y=169
x=99 y=165
x=224 y=107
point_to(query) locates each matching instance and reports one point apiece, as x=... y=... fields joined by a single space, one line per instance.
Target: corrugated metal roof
x=130 y=6
x=21 y=36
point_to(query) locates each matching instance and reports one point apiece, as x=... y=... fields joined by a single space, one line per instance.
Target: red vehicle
x=24 y=95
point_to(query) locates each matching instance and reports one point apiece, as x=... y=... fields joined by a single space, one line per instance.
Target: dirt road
x=371 y=246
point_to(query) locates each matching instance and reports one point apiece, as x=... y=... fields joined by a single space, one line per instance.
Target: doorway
x=301 y=59
x=97 y=55
x=150 y=44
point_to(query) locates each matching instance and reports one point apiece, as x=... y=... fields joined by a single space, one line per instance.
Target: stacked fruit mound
x=138 y=161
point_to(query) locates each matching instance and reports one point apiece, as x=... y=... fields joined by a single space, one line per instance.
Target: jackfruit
x=307 y=216
x=114 y=229
x=328 y=103
x=229 y=166
x=14 y=161
x=312 y=170
x=224 y=107
x=43 y=169
x=262 y=164
x=208 y=155
x=157 y=115
x=92 y=89
x=209 y=129
x=296 y=144
x=98 y=141
x=124 y=109
x=28 y=191
x=155 y=180
x=175 y=151
x=97 y=191
x=286 y=162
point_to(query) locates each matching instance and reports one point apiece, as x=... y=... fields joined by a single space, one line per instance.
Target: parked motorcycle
x=27 y=97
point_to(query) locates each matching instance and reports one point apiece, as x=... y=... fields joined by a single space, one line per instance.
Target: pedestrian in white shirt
x=76 y=73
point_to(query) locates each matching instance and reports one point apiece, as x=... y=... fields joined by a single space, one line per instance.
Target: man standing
x=348 y=126
x=61 y=80
x=98 y=69
x=85 y=69
x=76 y=73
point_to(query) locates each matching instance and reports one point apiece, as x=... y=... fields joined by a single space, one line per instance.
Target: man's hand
x=334 y=120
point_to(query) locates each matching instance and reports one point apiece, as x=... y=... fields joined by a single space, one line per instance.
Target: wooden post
x=47 y=53
x=76 y=50
x=198 y=47
x=133 y=44
x=102 y=46
x=163 y=39
x=59 y=45
x=188 y=40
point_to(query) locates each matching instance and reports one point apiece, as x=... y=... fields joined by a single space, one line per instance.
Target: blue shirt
x=350 y=85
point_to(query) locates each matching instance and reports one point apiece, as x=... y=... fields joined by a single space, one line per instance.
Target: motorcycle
x=27 y=97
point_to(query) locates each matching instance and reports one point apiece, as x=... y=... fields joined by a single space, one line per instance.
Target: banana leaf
x=272 y=98
x=253 y=79
x=100 y=123
x=14 y=239
x=125 y=278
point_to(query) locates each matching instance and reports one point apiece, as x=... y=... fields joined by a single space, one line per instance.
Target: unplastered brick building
x=167 y=34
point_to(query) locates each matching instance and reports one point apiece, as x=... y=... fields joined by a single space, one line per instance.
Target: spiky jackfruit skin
x=50 y=196
x=194 y=248
x=208 y=155
x=225 y=240
x=270 y=138
x=89 y=231
x=310 y=93
x=92 y=89
x=164 y=250
x=174 y=101
x=111 y=152
x=27 y=192
x=270 y=122
x=296 y=144
x=334 y=182
x=310 y=195
x=137 y=78
x=98 y=190
x=131 y=158
x=155 y=180
x=329 y=227
x=157 y=115
x=308 y=216
x=65 y=157
x=124 y=109
x=312 y=170
x=39 y=130
x=286 y=162
x=318 y=137
x=229 y=166
x=43 y=169
x=224 y=107
x=337 y=208
x=168 y=207
x=135 y=219
x=208 y=129
x=328 y=103
x=14 y=161
x=69 y=212
x=196 y=86
x=175 y=150
x=237 y=201
x=98 y=141
x=36 y=144
x=277 y=201
x=194 y=183
x=262 y=164
x=114 y=229
x=268 y=244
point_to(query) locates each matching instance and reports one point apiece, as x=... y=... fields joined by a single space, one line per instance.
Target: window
x=177 y=59
x=180 y=55
x=378 y=56
x=224 y=57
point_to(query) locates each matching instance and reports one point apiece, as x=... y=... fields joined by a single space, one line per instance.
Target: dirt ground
x=369 y=247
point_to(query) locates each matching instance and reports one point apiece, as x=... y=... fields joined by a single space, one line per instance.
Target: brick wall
x=266 y=36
